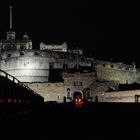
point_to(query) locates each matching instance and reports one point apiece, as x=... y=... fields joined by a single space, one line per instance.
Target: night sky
x=106 y=31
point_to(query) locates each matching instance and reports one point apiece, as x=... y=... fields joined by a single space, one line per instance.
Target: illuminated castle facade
x=55 y=72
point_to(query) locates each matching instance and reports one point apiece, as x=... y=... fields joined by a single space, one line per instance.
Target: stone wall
x=117 y=96
x=108 y=71
x=50 y=91
x=57 y=91
x=138 y=76
x=34 y=65
x=78 y=82
x=26 y=68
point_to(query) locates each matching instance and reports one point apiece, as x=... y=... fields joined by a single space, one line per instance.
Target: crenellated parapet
x=54 y=47
x=44 y=53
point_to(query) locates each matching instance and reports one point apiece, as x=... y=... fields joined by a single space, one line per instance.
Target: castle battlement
x=54 y=47
x=43 y=53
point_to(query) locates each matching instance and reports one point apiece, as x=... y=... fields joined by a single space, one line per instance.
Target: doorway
x=77 y=95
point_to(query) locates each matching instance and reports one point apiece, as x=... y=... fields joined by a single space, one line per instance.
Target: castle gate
x=78 y=95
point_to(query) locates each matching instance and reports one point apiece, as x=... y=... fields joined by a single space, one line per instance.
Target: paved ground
x=93 y=120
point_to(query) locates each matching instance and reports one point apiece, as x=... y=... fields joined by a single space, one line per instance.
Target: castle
x=55 y=71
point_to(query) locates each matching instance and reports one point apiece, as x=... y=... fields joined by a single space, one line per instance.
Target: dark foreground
x=65 y=121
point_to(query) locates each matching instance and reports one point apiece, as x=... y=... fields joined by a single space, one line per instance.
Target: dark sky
x=103 y=30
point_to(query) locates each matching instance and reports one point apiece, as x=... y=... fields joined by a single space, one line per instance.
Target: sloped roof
x=129 y=86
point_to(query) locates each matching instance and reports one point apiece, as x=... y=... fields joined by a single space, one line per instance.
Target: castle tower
x=11 y=34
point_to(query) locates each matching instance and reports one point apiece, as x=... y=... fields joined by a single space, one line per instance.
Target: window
x=9 y=55
x=51 y=65
x=78 y=83
x=104 y=65
x=36 y=53
x=22 y=47
x=65 y=66
x=68 y=93
x=112 y=66
x=22 y=53
x=126 y=68
x=88 y=92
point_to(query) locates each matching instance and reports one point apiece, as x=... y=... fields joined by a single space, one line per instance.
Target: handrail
x=15 y=80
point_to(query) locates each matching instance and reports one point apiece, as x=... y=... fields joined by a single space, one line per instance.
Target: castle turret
x=11 y=35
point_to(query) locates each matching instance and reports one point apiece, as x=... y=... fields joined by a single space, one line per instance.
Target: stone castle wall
x=25 y=67
x=117 y=96
x=50 y=91
x=138 y=76
x=78 y=81
x=57 y=92
x=34 y=65
x=108 y=71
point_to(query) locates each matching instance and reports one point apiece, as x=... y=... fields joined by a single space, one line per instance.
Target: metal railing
x=15 y=80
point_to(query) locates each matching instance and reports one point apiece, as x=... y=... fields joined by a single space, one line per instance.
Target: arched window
x=68 y=93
